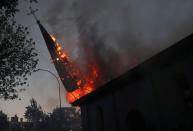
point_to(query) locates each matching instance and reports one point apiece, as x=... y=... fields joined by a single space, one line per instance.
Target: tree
x=34 y=112
x=4 y=124
x=17 y=53
x=65 y=119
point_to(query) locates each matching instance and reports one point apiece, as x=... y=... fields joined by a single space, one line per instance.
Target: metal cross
x=32 y=12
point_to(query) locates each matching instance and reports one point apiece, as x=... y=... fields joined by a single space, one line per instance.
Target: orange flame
x=86 y=89
x=85 y=83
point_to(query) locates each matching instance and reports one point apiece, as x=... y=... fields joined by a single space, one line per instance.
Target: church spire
x=76 y=84
x=62 y=64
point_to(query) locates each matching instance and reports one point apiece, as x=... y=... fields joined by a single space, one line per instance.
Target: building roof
x=176 y=52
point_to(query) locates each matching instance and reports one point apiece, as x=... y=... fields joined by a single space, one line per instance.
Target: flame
x=88 y=87
x=53 y=38
x=60 y=53
x=79 y=83
x=85 y=83
x=59 y=48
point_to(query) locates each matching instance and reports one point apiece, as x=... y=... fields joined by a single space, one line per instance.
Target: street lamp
x=57 y=81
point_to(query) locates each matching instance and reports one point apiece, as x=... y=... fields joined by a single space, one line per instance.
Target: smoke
x=50 y=103
x=60 y=17
x=118 y=35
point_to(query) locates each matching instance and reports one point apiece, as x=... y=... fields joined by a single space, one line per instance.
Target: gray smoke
x=119 y=34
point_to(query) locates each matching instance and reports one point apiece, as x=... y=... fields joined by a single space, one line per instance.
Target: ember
x=85 y=83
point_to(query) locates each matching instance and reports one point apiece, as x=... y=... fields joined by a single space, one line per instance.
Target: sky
x=42 y=85
x=119 y=33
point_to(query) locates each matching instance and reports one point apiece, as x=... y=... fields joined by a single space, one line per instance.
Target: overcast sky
x=130 y=30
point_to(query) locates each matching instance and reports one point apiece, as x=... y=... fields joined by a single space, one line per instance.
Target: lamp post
x=57 y=81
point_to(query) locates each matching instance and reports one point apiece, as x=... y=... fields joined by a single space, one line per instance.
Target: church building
x=156 y=95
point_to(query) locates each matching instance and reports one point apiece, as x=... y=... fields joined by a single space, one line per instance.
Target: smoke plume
x=118 y=34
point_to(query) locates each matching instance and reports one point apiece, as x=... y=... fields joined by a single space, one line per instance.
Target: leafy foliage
x=34 y=112
x=61 y=119
x=4 y=124
x=17 y=53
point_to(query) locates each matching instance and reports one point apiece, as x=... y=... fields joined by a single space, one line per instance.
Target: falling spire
x=76 y=84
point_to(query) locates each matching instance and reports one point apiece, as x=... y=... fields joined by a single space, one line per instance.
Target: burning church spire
x=76 y=84
x=60 y=60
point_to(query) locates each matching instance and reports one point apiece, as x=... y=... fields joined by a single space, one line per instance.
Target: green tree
x=34 y=112
x=4 y=124
x=17 y=53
